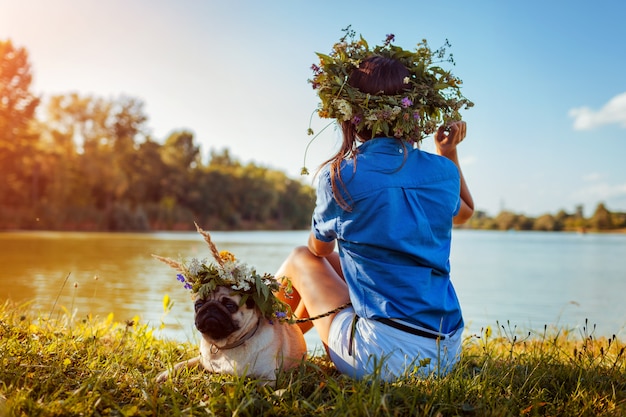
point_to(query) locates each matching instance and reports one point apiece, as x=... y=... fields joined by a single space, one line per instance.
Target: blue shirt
x=394 y=244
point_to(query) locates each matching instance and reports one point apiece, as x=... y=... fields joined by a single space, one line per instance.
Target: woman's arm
x=320 y=248
x=446 y=141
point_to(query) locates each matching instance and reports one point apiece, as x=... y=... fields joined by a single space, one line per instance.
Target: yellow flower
x=227 y=256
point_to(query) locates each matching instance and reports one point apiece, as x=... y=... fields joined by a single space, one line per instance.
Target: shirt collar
x=383 y=145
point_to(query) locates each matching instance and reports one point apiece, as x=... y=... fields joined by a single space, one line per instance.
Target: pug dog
x=239 y=340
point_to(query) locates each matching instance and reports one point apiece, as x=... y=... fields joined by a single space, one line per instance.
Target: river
x=520 y=279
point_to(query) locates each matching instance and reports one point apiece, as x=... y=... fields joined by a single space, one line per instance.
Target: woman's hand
x=449 y=136
x=446 y=140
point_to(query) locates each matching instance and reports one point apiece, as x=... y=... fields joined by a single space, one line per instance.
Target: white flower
x=240 y=286
x=234 y=271
x=195 y=266
x=344 y=108
x=406 y=80
x=372 y=117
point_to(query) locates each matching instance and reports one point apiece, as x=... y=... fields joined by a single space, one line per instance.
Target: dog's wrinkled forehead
x=219 y=293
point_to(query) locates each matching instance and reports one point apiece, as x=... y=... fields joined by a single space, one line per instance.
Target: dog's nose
x=214 y=321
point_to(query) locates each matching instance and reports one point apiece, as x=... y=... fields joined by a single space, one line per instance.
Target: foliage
x=61 y=366
x=17 y=111
x=89 y=163
x=17 y=102
x=601 y=220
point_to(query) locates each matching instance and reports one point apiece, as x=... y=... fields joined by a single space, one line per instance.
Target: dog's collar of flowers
x=202 y=278
x=432 y=95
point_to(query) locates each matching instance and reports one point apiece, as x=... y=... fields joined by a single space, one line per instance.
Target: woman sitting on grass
x=390 y=208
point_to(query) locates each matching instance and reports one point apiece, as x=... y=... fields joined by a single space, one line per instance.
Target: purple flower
x=390 y=38
x=406 y=102
x=356 y=120
x=180 y=277
x=281 y=314
x=317 y=70
x=416 y=116
x=188 y=286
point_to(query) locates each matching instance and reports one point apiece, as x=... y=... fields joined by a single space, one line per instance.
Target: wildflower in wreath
x=203 y=277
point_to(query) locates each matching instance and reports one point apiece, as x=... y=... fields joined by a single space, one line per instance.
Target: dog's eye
x=230 y=306
x=197 y=305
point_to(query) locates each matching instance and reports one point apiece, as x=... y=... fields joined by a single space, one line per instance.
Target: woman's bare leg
x=318 y=286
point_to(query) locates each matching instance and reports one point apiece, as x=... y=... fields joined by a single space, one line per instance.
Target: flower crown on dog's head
x=203 y=278
x=432 y=94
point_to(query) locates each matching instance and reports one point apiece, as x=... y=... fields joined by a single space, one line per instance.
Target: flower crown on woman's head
x=203 y=278
x=432 y=94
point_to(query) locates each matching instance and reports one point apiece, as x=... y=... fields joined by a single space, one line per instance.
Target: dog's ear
x=249 y=302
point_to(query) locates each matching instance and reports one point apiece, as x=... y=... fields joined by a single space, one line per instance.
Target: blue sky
x=548 y=130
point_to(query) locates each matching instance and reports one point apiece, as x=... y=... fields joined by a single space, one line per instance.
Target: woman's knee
x=302 y=251
x=293 y=265
x=301 y=256
x=301 y=265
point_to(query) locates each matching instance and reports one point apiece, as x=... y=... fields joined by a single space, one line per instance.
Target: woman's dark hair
x=376 y=75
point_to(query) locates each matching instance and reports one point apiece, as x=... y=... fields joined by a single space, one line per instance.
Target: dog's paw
x=162 y=377
x=165 y=375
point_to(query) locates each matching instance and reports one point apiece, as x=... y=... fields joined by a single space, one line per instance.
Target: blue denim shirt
x=394 y=244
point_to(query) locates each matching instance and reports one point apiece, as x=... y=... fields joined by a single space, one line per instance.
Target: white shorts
x=377 y=348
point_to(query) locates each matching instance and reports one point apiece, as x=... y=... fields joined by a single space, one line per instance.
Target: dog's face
x=219 y=317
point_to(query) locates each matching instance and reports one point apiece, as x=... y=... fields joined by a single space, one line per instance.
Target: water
x=529 y=279
x=534 y=279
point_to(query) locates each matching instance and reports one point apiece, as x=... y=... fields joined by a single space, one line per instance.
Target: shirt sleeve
x=458 y=201
x=458 y=207
x=326 y=213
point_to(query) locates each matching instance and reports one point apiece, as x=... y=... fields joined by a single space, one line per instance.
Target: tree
x=17 y=110
x=506 y=220
x=181 y=156
x=601 y=218
x=546 y=222
x=180 y=151
x=17 y=103
x=93 y=157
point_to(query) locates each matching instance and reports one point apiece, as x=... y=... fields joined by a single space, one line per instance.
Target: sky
x=547 y=132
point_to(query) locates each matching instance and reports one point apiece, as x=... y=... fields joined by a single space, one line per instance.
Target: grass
x=97 y=367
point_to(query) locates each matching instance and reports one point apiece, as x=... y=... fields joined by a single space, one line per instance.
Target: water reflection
x=100 y=273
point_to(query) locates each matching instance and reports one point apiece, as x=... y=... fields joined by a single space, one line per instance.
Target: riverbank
x=63 y=366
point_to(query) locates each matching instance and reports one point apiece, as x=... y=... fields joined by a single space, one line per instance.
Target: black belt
x=409 y=329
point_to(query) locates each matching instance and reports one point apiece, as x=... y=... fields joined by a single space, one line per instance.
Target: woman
x=390 y=208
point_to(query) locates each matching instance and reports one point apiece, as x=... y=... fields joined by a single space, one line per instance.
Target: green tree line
x=601 y=220
x=81 y=162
